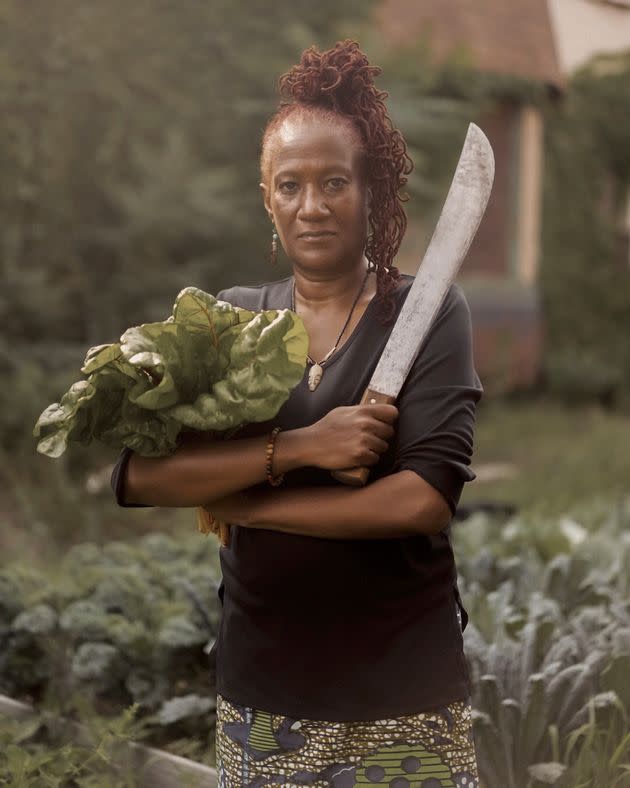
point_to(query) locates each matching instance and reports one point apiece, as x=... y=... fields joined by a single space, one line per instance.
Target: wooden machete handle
x=357 y=477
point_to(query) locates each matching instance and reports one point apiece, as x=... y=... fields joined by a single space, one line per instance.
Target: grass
x=46 y=507
x=563 y=456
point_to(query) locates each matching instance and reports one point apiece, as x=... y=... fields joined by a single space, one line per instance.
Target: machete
x=463 y=210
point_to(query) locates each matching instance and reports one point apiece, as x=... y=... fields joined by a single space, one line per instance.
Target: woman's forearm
x=200 y=471
x=398 y=505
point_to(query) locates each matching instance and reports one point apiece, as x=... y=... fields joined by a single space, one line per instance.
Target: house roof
x=503 y=36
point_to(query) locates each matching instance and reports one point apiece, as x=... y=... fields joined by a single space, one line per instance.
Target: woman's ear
x=266 y=200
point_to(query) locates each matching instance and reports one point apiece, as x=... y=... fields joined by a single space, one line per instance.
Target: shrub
x=549 y=648
x=119 y=624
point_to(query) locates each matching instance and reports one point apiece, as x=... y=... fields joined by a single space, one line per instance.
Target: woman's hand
x=350 y=436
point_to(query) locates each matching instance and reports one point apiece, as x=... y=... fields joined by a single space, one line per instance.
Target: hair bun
x=337 y=78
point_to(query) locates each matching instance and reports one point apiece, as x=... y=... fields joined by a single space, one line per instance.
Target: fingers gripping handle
x=354 y=477
x=357 y=477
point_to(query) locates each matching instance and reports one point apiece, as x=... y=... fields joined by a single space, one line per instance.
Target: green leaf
x=25 y=730
x=39 y=620
x=489 y=743
x=490 y=696
x=265 y=364
x=96 y=661
x=534 y=718
x=608 y=709
x=209 y=366
x=575 y=699
x=548 y=773
x=561 y=687
x=622 y=749
x=180 y=632
x=616 y=678
x=84 y=619
x=19 y=763
x=62 y=420
x=186 y=706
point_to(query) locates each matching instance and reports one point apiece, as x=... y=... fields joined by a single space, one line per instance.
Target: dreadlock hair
x=339 y=82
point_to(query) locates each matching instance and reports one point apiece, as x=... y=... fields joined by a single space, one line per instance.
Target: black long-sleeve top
x=355 y=629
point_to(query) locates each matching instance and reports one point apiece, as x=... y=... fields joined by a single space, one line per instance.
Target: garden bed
x=152 y=768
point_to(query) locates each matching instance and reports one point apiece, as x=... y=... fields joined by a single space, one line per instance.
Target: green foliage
x=432 y=106
x=583 y=274
x=209 y=366
x=548 y=646
x=38 y=752
x=584 y=258
x=598 y=750
x=129 y=153
x=548 y=641
x=117 y=625
x=177 y=709
x=560 y=462
x=129 y=144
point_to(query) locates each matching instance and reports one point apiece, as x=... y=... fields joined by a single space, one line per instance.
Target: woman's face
x=315 y=192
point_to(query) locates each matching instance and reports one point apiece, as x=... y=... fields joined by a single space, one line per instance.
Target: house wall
x=529 y=195
x=500 y=275
x=508 y=339
x=583 y=28
x=500 y=271
x=491 y=251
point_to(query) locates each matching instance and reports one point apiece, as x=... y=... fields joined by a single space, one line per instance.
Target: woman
x=340 y=659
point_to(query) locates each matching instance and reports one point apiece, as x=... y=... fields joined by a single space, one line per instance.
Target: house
x=499 y=275
x=583 y=29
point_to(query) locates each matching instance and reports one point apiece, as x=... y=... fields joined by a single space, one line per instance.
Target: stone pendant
x=314 y=376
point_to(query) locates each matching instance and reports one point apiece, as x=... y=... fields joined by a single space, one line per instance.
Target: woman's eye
x=337 y=183
x=288 y=187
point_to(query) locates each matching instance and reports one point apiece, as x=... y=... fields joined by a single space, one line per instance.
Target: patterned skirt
x=426 y=750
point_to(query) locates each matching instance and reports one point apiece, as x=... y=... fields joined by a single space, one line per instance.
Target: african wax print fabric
x=432 y=749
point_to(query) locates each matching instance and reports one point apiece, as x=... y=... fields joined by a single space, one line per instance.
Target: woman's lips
x=314 y=237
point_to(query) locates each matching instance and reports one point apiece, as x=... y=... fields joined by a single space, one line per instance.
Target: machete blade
x=463 y=210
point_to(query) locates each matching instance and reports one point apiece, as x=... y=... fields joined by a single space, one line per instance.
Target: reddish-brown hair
x=340 y=82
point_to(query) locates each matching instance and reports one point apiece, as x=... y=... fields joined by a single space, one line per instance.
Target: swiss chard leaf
x=209 y=366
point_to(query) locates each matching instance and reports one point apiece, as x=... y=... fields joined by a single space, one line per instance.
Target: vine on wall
x=584 y=273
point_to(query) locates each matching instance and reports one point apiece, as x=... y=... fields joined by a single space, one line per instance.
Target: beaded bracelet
x=273 y=480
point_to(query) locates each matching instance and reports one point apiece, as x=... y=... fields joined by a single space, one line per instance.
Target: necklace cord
x=332 y=350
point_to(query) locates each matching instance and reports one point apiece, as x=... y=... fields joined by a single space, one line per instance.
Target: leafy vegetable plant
x=209 y=366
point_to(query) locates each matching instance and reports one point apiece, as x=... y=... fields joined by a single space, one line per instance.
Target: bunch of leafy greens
x=209 y=366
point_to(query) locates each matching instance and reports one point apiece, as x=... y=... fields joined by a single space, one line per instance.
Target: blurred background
x=129 y=143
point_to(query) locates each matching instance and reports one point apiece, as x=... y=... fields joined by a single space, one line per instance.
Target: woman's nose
x=313 y=203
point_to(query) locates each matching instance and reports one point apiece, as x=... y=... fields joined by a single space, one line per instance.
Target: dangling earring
x=273 y=257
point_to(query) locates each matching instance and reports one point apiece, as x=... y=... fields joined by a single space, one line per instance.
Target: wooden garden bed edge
x=158 y=768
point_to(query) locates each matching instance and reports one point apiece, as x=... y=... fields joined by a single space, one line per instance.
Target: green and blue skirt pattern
x=426 y=750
